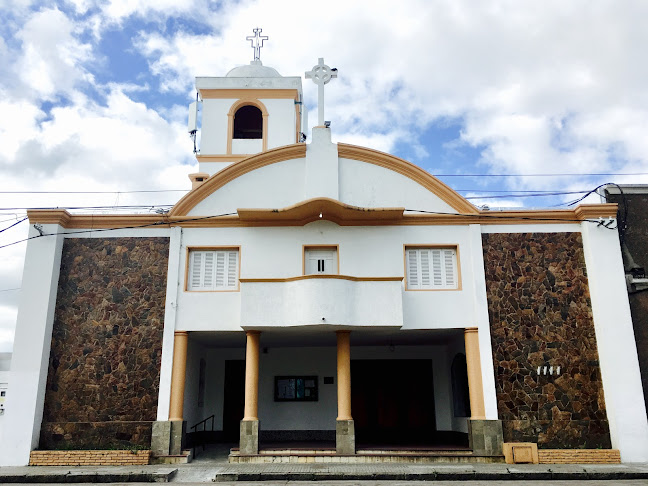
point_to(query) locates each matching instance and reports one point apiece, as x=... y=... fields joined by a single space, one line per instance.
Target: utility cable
x=99 y=230
x=16 y=223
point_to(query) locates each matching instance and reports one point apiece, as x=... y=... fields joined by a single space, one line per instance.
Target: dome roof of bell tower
x=253 y=70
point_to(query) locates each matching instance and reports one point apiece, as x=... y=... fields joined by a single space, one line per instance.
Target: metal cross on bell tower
x=321 y=74
x=257 y=42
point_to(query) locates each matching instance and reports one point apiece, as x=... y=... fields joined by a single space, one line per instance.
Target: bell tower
x=250 y=110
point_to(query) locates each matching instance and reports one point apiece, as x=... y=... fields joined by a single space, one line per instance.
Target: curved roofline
x=296 y=151
x=231 y=172
x=408 y=169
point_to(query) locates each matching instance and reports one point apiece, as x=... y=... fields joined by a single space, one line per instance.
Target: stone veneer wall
x=540 y=315
x=104 y=367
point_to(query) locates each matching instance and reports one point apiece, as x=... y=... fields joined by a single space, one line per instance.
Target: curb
x=90 y=477
x=434 y=476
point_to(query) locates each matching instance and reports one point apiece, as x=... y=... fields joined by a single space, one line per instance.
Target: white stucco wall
x=273 y=186
x=368 y=185
x=375 y=251
x=282 y=126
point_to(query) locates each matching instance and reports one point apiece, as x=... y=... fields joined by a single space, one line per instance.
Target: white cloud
x=549 y=86
x=52 y=57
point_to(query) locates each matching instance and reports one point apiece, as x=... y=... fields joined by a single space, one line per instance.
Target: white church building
x=312 y=292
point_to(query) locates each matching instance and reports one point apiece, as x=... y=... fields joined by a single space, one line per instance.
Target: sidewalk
x=205 y=471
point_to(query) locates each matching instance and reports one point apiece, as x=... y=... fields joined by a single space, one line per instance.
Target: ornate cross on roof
x=256 y=45
x=321 y=74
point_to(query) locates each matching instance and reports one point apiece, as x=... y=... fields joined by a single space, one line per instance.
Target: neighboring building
x=633 y=234
x=5 y=364
x=322 y=291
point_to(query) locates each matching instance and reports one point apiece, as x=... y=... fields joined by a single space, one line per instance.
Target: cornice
x=308 y=211
x=249 y=93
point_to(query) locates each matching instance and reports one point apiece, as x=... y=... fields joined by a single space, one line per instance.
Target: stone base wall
x=540 y=315
x=579 y=456
x=94 y=435
x=104 y=367
x=89 y=458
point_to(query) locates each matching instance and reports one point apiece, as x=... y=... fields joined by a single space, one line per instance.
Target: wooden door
x=392 y=401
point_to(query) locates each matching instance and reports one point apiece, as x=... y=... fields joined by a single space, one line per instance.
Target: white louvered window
x=431 y=268
x=213 y=270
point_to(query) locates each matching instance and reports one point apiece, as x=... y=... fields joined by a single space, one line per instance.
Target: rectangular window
x=431 y=268
x=295 y=388
x=215 y=269
x=320 y=260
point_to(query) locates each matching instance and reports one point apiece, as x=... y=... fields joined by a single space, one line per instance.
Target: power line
x=94 y=192
x=546 y=175
x=9 y=290
x=141 y=206
x=544 y=194
x=100 y=230
x=11 y=226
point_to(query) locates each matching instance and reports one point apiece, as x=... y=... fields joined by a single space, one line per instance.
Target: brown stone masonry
x=104 y=368
x=540 y=315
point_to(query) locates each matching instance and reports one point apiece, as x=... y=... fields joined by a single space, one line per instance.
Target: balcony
x=315 y=300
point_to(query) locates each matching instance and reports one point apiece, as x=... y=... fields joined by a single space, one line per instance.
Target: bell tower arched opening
x=248 y=123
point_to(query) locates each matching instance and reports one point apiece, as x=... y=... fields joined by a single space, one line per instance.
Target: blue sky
x=94 y=94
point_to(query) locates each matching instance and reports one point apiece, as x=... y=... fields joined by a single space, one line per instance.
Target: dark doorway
x=233 y=399
x=392 y=401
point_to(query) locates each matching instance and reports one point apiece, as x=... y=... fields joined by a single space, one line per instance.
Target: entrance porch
x=329 y=392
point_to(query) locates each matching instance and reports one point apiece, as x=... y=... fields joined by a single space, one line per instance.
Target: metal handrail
x=204 y=429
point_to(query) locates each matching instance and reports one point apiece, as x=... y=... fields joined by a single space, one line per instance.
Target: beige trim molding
x=247 y=101
x=331 y=210
x=322 y=276
x=272 y=94
x=231 y=172
x=410 y=170
x=253 y=217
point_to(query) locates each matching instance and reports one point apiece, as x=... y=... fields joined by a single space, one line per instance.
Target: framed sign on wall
x=295 y=389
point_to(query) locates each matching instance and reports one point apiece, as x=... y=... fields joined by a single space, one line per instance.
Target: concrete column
x=31 y=350
x=485 y=436
x=344 y=427
x=176 y=407
x=252 y=376
x=343 y=375
x=475 y=387
x=249 y=443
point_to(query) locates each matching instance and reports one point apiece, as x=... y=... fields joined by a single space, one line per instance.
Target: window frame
x=306 y=248
x=454 y=247
x=213 y=248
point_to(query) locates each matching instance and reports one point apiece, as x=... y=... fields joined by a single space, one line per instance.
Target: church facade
x=321 y=292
